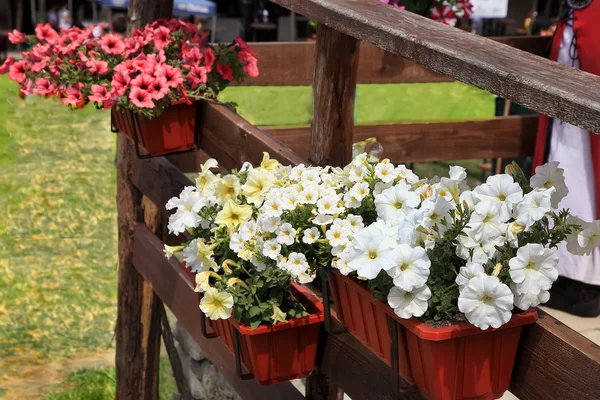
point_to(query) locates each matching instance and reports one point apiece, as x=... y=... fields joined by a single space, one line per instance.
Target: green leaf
x=255 y=324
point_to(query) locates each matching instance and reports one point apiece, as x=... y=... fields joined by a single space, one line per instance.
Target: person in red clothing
x=576 y=43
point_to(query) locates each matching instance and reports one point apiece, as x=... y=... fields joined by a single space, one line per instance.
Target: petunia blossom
x=486 y=302
x=411 y=267
x=372 y=251
x=468 y=272
x=112 y=44
x=18 y=71
x=551 y=176
x=534 y=268
x=6 y=65
x=45 y=33
x=17 y=37
x=225 y=71
x=141 y=98
x=407 y=304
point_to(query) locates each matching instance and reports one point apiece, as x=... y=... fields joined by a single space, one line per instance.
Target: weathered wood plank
x=175 y=289
x=545 y=86
x=232 y=140
x=555 y=362
x=137 y=331
x=334 y=89
x=422 y=142
x=292 y=63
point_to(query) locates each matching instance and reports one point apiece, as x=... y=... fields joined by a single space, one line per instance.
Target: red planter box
x=456 y=362
x=280 y=352
x=171 y=132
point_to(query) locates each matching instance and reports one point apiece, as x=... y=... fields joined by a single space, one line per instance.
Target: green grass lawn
x=58 y=249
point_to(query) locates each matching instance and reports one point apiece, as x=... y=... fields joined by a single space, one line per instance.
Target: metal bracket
x=327 y=311
x=238 y=356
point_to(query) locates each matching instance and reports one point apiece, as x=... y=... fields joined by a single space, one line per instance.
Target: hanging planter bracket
x=327 y=311
x=238 y=356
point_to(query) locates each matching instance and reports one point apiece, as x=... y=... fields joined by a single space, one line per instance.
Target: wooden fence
x=553 y=362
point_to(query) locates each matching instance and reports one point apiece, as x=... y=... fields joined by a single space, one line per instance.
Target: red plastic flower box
x=173 y=131
x=455 y=362
x=280 y=352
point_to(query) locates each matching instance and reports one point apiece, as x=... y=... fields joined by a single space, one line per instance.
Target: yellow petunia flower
x=228 y=188
x=259 y=180
x=278 y=315
x=233 y=214
x=203 y=281
x=268 y=164
x=216 y=305
x=205 y=255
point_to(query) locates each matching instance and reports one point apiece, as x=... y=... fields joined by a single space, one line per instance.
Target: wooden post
x=138 y=320
x=334 y=87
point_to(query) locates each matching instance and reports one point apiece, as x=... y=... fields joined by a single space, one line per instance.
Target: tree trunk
x=138 y=320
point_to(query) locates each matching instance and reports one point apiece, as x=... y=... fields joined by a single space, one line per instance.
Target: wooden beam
x=545 y=86
x=175 y=289
x=555 y=362
x=292 y=63
x=334 y=89
x=137 y=331
x=423 y=142
x=232 y=140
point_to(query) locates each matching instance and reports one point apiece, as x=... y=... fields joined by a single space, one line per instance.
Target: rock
x=187 y=342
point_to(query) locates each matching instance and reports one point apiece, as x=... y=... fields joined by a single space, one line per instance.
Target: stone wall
x=202 y=377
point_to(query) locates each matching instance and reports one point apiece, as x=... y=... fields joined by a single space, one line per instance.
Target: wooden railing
x=553 y=362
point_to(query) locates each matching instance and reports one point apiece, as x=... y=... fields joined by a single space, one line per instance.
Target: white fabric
x=570 y=146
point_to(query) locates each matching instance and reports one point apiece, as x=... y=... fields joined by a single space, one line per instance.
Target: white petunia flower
x=337 y=235
x=380 y=187
x=470 y=198
x=533 y=269
x=407 y=304
x=534 y=207
x=259 y=265
x=286 y=234
x=268 y=224
x=551 y=176
x=188 y=204
x=311 y=235
x=272 y=208
x=503 y=189
x=483 y=250
x=486 y=302
x=248 y=230
x=408 y=229
x=341 y=263
x=468 y=272
x=357 y=173
x=340 y=249
x=329 y=205
x=458 y=173
x=296 y=172
x=198 y=261
x=355 y=222
x=411 y=269
x=406 y=174
x=393 y=203
x=435 y=212
x=486 y=220
x=271 y=249
x=323 y=219
x=584 y=242
x=311 y=175
x=236 y=243
x=350 y=201
x=309 y=195
x=296 y=264
x=290 y=200
x=386 y=172
x=525 y=301
x=372 y=251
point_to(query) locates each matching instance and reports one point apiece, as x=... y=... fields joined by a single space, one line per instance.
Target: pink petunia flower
x=225 y=71
x=43 y=87
x=209 y=58
x=132 y=46
x=4 y=67
x=197 y=76
x=244 y=46
x=161 y=37
x=45 y=33
x=120 y=82
x=466 y=6
x=98 y=67
x=145 y=64
x=159 y=88
x=39 y=66
x=141 y=98
x=443 y=14
x=112 y=44
x=142 y=81
x=171 y=74
x=27 y=88
x=72 y=95
x=17 y=37
x=100 y=94
x=251 y=67
x=18 y=71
